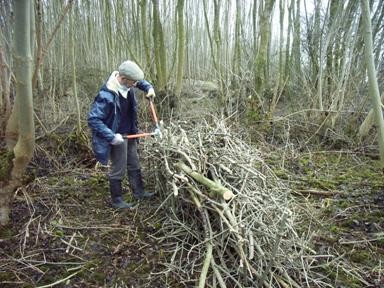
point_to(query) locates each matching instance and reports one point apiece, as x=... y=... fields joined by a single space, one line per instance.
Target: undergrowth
x=64 y=229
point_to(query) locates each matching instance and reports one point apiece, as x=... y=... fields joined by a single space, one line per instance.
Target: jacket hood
x=114 y=86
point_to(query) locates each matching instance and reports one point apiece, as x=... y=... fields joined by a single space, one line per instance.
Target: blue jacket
x=104 y=118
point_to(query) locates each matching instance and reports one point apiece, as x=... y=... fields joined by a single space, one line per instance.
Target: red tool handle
x=153 y=111
x=134 y=136
x=154 y=118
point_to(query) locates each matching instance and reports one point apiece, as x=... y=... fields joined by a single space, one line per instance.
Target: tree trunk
x=23 y=150
x=261 y=58
x=368 y=123
x=5 y=102
x=331 y=47
x=43 y=50
x=144 y=28
x=296 y=45
x=314 y=48
x=180 y=48
x=74 y=73
x=340 y=67
x=281 y=43
x=237 y=46
x=210 y=38
x=287 y=68
x=371 y=71
x=159 y=47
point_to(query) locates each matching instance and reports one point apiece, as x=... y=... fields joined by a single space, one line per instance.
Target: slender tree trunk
x=74 y=77
x=331 y=47
x=160 y=53
x=146 y=40
x=217 y=32
x=237 y=45
x=180 y=47
x=23 y=108
x=296 y=45
x=287 y=69
x=39 y=41
x=322 y=47
x=281 y=42
x=107 y=24
x=315 y=44
x=41 y=53
x=371 y=71
x=5 y=102
x=156 y=40
x=218 y=54
x=210 y=38
x=342 y=64
x=262 y=63
x=368 y=123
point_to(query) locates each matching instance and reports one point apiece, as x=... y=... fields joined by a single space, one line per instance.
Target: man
x=114 y=114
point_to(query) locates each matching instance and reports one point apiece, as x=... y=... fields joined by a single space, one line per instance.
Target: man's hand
x=117 y=140
x=151 y=93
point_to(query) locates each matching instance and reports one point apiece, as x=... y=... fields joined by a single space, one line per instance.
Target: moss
x=98 y=276
x=157 y=225
x=330 y=209
x=338 y=171
x=380 y=242
x=6 y=276
x=52 y=180
x=322 y=183
x=344 y=204
x=145 y=268
x=6 y=232
x=98 y=185
x=338 y=276
x=133 y=266
x=304 y=161
x=253 y=115
x=360 y=256
x=334 y=229
x=350 y=222
x=282 y=174
x=5 y=164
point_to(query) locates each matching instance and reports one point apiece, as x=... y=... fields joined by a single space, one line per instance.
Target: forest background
x=289 y=76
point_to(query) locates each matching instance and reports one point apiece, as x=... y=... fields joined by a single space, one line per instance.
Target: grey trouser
x=124 y=156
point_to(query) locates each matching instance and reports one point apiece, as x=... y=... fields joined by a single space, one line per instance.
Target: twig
x=320 y=192
x=208 y=236
x=61 y=280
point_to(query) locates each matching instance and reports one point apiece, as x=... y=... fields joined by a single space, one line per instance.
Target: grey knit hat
x=131 y=70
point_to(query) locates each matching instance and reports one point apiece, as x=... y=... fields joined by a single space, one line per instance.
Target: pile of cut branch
x=229 y=222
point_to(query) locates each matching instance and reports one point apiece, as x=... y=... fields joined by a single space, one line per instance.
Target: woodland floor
x=64 y=232
x=344 y=192
x=64 y=229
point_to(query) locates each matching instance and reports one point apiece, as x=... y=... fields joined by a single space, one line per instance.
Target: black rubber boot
x=136 y=182
x=116 y=192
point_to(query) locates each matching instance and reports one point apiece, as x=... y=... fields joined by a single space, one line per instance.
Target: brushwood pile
x=230 y=221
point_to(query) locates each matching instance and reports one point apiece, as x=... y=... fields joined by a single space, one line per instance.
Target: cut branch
x=215 y=187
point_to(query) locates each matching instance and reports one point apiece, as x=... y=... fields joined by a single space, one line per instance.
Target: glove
x=117 y=140
x=150 y=93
